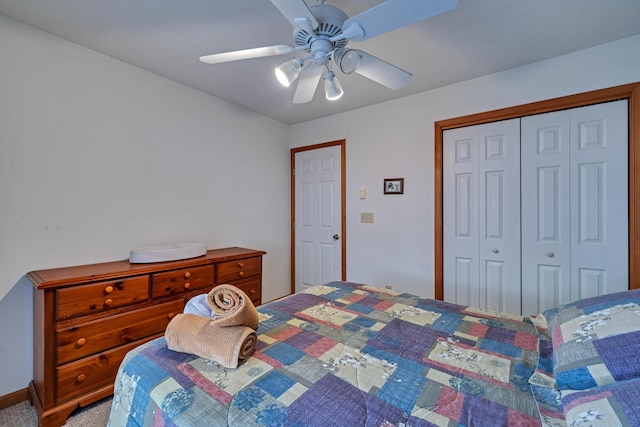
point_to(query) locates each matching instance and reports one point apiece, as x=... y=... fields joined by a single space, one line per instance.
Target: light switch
x=363 y=192
x=366 y=217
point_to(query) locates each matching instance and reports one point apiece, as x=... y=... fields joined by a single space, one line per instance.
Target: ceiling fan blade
x=293 y=9
x=392 y=15
x=382 y=72
x=257 y=52
x=307 y=83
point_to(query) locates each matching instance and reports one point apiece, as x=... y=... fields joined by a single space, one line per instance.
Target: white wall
x=395 y=139
x=98 y=157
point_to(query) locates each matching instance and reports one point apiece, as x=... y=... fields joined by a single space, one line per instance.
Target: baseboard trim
x=14 y=398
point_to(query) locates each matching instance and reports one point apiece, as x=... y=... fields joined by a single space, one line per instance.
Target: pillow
x=611 y=405
x=596 y=340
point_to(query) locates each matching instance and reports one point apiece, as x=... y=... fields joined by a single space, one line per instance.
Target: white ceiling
x=479 y=37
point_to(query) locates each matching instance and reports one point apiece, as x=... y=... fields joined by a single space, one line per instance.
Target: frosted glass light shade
x=288 y=72
x=332 y=87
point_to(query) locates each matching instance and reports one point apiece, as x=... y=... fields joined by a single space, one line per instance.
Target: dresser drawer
x=97 y=297
x=90 y=338
x=229 y=271
x=252 y=288
x=184 y=280
x=91 y=373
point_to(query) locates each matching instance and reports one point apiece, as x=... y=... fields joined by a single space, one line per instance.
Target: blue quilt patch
x=275 y=383
x=361 y=308
x=500 y=347
x=447 y=322
x=284 y=353
x=402 y=389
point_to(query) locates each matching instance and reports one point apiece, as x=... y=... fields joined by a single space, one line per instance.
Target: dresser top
x=51 y=278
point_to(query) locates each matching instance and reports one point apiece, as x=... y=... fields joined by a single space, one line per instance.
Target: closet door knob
x=495 y=250
x=550 y=254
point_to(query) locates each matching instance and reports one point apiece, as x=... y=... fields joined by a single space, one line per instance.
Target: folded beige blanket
x=190 y=333
x=231 y=307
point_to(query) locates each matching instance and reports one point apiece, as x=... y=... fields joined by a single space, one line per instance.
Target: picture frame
x=394 y=186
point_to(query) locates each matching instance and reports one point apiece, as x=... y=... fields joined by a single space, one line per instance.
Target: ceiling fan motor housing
x=330 y=20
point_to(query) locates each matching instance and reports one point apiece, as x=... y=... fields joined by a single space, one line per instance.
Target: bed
x=348 y=354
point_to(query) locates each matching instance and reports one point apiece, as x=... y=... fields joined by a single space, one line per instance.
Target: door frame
x=630 y=92
x=343 y=203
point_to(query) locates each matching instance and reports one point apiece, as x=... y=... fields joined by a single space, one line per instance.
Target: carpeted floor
x=24 y=415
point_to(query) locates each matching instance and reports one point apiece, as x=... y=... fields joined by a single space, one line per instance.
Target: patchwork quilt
x=345 y=354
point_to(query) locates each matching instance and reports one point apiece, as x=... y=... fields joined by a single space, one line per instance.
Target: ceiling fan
x=323 y=32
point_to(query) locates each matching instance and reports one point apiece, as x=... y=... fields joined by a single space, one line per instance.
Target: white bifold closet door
x=575 y=212
x=535 y=209
x=481 y=186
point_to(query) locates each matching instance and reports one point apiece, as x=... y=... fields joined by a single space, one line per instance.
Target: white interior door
x=499 y=206
x=318 y=216
x=546 y=231
x=599 y=203
x=460 y=225
x=481 y=190
x=575 y=219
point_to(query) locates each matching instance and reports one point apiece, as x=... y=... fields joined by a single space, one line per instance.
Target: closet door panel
x=599 y=206
x=574 y=208
x=546 y=233
x=482 y=216
x=464 y=289
x=460 y=197
x=499 y=221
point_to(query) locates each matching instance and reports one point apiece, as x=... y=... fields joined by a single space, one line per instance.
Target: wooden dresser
x=86 y=318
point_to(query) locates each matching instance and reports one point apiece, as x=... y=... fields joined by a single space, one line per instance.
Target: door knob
x=336 y=237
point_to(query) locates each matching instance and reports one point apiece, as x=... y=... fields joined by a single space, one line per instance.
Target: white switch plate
x=366 y=217
x=363 y=192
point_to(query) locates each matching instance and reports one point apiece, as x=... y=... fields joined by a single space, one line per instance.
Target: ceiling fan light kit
x=332 y=87
x=347 y=59
x=323 y=31
x=288 y=72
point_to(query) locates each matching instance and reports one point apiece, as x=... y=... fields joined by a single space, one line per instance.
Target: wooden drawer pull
x=81 y=342
x=171 y=316
x=108 y=302
x=187 y=275
x=81 y=377
x=187 y=285
x=240 y=273
x=108 y=289
x=240 y=264
x=252 y=291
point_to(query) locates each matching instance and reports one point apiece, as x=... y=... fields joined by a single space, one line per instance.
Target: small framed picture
x=394 y=186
